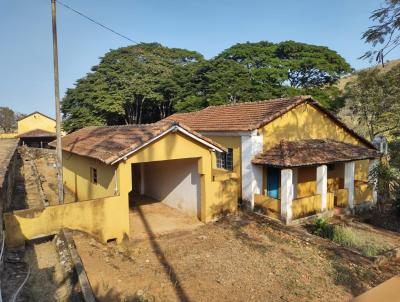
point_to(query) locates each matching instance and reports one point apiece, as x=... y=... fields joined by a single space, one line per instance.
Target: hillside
x=388 y=65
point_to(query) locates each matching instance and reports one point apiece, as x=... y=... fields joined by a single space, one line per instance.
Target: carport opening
x=175 y=183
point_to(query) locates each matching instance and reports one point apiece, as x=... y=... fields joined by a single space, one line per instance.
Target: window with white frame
x=225 y=160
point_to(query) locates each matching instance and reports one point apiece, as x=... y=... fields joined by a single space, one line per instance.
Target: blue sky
x=208 y=26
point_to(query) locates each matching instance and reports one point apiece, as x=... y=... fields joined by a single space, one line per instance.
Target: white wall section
x=322 y=185
x=174 y=182
x=286 y=194
x=252 y=144
x=349 y=169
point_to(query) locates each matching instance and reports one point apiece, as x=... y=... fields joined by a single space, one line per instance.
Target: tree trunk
x=141 y=110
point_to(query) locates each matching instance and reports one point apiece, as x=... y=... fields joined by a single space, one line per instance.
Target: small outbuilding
x=117 y=167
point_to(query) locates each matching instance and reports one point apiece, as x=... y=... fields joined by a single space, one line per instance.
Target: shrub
x=322 y=228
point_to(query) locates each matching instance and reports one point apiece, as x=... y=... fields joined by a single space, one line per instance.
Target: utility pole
x=58 y=114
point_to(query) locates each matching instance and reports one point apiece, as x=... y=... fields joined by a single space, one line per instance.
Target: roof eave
x=125 y=154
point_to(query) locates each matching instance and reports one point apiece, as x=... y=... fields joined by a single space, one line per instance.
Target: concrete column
x=286 y=194
x=349 y=170
x=142 y=181
x=371 y=165
x=295 y=181
x=251 y=145
x=322 y=185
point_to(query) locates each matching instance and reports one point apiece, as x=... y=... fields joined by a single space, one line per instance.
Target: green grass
x=367 y=243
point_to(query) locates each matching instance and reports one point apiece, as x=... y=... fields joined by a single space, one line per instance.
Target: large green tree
x=289 y=63
x=130 y=85
x=7 y=119
x=147 y=82
x=262 y=70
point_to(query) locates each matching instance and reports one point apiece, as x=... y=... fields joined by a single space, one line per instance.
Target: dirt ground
x=48 y=280
x=240 y=258
x=47 y=276
x=149 y=215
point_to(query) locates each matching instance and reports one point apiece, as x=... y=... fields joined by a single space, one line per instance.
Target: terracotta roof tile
x=312 y=152
x=109 y=143
x=237 y=117
x=250 y=115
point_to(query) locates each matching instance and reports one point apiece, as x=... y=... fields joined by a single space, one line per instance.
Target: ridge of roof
x=303 y=97
x=35 y=112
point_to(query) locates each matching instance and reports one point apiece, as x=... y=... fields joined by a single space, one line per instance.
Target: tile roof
x=110 y=143
x=37 y=133
x=250 y=115
x=237 y=117
x=312 y=152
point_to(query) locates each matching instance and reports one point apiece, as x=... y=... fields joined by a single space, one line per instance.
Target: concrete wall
x=174 y=182
x=77 y=177
x=233 y=142
x=36 y=121
x=105 y=218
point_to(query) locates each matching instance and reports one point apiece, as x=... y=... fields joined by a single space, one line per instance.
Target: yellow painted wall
x=36 y=121
x=8 y=135
x=304 y=122
x=233 y=142
x=105 y=218
x=362 y=192
x=306 y=181
x=361 y=170
x=306 y=206
x=336 y=177
x=77 y=177
x=266 y=204
x=342 y=197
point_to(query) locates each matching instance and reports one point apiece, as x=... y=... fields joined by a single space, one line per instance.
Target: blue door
x=273 y=182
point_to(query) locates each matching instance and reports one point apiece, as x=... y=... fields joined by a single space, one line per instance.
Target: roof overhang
x=174 y=128
x=312 y=152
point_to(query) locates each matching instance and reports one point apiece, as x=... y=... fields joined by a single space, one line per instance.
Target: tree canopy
x=384 y=35
x=146 y=82
x=134 y=84
x=7 y=119
x=289 y=63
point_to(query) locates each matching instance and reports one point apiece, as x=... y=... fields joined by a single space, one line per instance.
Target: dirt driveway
x=240 y=258
x=149 y=218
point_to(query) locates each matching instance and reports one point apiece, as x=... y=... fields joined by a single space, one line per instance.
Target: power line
x=96 y=22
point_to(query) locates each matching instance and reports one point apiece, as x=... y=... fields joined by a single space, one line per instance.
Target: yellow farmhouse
x=35 y=129
x=293 y=157
x=289 y=158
